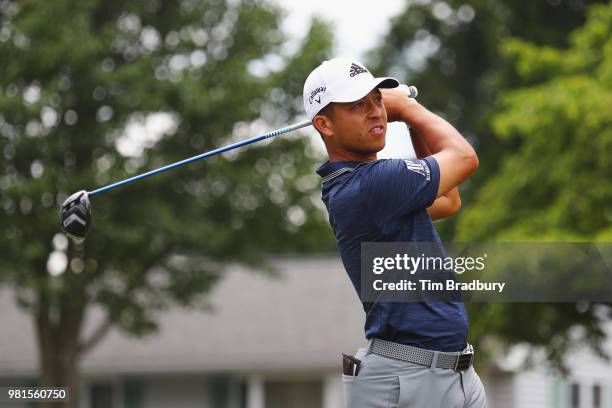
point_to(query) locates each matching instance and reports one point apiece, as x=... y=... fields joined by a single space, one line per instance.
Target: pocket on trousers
x=475 y=392
x=347 y=389
x=374 y=392
x=394 y=394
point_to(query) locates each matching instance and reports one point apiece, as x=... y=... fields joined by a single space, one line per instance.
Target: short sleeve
x=393 y=188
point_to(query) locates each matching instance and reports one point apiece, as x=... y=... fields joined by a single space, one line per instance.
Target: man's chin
x=380 y=145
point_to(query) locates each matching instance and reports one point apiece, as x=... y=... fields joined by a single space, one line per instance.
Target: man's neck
x=341 y=156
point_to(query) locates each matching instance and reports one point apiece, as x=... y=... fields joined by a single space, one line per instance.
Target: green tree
x=555 y=186
x=451 y=51
x=74 y=78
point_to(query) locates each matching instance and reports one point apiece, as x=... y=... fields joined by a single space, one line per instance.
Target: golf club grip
x=411 y=91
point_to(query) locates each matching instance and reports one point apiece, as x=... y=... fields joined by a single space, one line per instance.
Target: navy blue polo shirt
x=386 y=201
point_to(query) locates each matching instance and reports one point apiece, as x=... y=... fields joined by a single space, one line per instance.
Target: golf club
x=75 y=211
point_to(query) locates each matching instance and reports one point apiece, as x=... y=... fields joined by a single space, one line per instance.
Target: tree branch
x=98 y=334
x=102 y=330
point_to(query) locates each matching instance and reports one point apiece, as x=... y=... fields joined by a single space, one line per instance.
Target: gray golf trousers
x=385 y=382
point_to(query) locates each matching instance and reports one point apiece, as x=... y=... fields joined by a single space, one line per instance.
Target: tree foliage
x=554 y=186
x=95 y=91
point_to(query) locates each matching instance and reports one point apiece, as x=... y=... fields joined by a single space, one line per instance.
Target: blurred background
x=218 y=284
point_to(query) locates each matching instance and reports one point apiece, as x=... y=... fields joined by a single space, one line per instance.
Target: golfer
x=418 y=355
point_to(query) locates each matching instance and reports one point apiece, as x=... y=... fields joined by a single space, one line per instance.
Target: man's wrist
x=415 y=114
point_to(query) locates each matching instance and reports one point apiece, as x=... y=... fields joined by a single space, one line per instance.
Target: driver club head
x=75 y=215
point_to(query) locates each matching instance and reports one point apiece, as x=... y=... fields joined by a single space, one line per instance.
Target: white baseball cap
x=339 y=80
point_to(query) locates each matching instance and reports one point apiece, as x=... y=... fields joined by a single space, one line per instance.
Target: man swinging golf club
x=418 y=355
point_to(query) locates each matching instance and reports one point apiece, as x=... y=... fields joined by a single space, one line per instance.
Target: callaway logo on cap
x=339 y=80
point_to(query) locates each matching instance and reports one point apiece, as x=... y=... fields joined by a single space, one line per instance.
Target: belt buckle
x=464 y=361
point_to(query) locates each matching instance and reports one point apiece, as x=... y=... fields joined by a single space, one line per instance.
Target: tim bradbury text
x=431 y=286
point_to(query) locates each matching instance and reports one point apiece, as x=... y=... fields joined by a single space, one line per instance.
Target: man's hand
x=446 y=205
x=397 y=103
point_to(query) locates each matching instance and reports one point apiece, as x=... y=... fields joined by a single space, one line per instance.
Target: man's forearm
x=422 y=150
x=418 y=144
x=449 y=203
x=435 y=133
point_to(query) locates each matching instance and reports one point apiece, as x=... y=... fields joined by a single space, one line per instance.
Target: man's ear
x=324 y=125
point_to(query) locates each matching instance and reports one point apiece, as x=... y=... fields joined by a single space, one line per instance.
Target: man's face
x=359 y=127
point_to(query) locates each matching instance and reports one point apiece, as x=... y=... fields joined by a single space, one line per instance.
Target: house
x=587 y=385
x=269 y=341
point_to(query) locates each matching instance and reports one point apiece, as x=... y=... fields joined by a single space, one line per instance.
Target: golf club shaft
x=254 y=139
x=411 y=91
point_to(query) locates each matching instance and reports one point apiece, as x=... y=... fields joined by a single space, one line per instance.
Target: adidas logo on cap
x=356 y=70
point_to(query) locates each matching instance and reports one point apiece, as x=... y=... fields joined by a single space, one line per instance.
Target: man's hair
x=328 y=111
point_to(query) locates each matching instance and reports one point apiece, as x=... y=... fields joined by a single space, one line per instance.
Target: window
x=597 y=396
x=220 y=392
x=101 y=396
x=295 y=394
x=244 y=389
x=575 y=395
x=132 y=394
